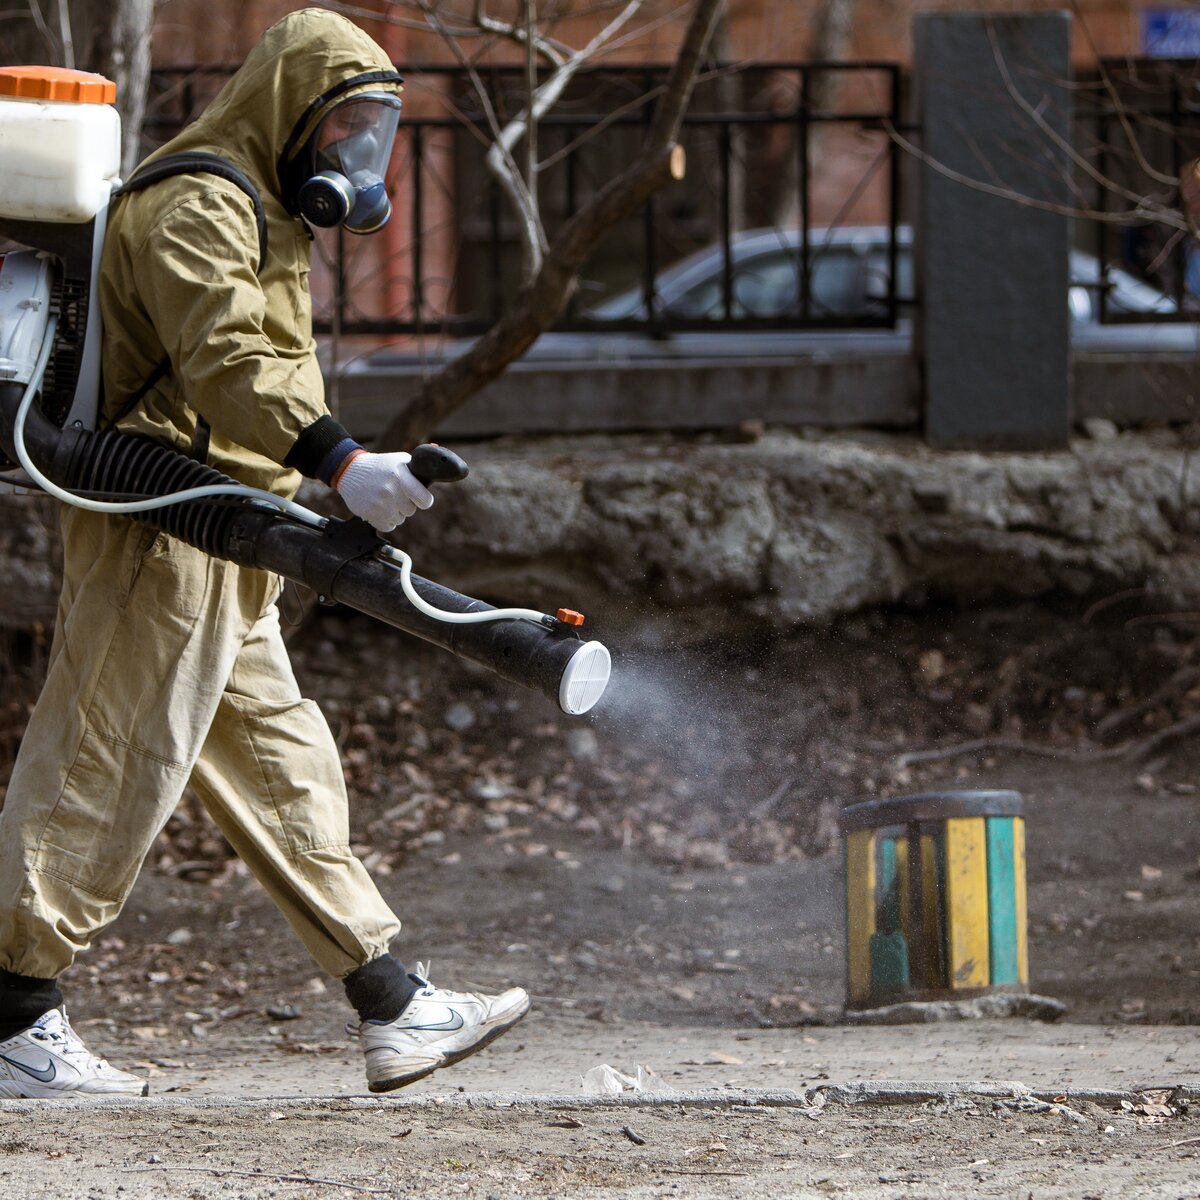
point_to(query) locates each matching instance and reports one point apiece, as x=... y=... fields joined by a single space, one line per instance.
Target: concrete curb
x=878 y=1093
x=1003 y=1005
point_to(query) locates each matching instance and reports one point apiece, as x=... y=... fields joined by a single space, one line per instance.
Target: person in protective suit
x=168 y=666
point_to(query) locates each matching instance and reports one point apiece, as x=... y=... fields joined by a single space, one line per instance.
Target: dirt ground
x=553 y=1150
x=659 y=876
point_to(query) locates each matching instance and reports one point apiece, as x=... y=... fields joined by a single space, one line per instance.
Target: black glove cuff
x=321 y=449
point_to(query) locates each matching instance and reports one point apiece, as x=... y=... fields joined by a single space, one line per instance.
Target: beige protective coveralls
x=167 y=665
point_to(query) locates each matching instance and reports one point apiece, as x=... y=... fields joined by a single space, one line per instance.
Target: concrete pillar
x=993 y=333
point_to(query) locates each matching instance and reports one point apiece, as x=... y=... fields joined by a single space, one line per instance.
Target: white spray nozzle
x=584 y=680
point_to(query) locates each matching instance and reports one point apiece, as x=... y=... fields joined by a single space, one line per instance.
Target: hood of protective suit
x=302 y=67
x=180 y=276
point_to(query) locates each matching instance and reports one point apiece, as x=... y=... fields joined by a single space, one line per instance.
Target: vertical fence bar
x=494 y=250
x=893 y=304
x=650 y=249
x=572 y=199
x=339 y=273
x=1176 y=168
x=418 y=222
x=725 y=142
x=1101 y=206
x=802 y=130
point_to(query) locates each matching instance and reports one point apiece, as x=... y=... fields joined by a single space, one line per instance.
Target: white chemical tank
x=60 y=143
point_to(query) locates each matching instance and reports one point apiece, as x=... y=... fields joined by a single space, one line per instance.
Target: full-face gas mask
x=348 y=155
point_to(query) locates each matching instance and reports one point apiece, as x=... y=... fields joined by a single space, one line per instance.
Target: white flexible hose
x=298 y=511
x=404 y=562
x=390 y=554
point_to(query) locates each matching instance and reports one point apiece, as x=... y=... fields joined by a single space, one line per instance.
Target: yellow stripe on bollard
x=967 y=902
x=860 y=911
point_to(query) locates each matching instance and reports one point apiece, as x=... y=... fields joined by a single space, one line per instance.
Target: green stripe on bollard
x=887 y=888
x=1002 y=907
x=889 y=947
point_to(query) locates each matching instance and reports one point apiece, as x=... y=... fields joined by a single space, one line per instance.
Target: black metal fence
x=789 y=216
x=1138 y=146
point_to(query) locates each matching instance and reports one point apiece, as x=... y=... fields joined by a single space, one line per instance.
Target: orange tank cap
x=568 y=616
x=56 y=83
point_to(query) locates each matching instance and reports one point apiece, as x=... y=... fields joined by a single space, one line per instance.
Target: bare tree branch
x=555 y=52
x=35 y=11
x=64 y=33
x=524 y=125
x=624 y=110
x=1144 y=209
x=1118 y=105
x=499 y=157
x=390 y=18
x=1047 y=130
x=522 y=191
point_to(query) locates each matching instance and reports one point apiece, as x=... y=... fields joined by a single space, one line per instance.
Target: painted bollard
x=935 y=897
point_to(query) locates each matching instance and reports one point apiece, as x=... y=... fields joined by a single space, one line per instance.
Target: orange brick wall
x=207 y=31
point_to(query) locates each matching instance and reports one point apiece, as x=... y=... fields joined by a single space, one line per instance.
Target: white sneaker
x=437 y=1028
x=48 y=1061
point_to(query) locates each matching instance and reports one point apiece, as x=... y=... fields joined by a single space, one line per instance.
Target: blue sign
x=1171 y=32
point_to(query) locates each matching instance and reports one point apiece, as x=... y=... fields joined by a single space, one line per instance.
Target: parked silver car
x=848 y=279
x=849 y=273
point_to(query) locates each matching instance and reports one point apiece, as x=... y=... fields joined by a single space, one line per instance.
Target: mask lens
x=356 y=138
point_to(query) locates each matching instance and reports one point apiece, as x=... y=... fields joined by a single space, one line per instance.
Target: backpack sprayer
x=59 y=162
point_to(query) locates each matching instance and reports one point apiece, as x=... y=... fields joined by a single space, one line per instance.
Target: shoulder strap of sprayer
x=190 y=163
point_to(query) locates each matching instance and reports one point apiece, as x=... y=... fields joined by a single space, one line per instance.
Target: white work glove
x=382 y=490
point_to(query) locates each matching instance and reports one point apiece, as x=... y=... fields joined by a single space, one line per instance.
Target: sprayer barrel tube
x=520 y=651
x=547 y=659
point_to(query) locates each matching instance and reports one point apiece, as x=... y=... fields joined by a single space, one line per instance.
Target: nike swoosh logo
x=455 y=1021
x=49 y=1071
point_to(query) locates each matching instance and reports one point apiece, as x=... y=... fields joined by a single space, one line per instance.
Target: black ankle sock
x=381 y=990
x=23 y=999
